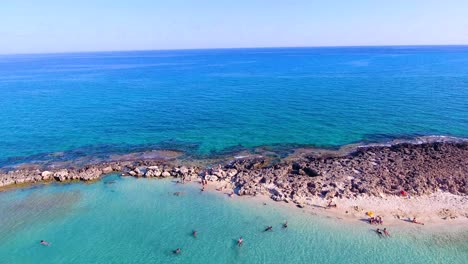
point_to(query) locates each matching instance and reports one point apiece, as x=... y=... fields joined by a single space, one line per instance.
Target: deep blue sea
x=212 y=101
x=57 y=107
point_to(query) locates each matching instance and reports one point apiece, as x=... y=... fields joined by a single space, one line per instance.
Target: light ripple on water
x=34 y=210
x=324 y=101
x=141 y=221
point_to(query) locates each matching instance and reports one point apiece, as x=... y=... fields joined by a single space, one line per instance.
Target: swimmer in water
x=270 y=228
x=386 y=232
x=45 y=243
x=285 y=225
x=194 y=233
x=240 y=241
x=379 y=232
x=177 y=251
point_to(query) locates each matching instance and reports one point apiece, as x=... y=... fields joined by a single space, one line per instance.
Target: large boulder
x=90 y=174
x=183 y=170
x=107 y=170
x=157 y=173
x=231 y=172
x=46 y=175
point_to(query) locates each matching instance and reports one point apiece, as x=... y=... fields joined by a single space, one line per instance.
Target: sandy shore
x=437 y=211
x=441 y=212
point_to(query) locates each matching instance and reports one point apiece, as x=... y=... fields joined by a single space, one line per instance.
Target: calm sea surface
x=205 y=102
x=64 y=106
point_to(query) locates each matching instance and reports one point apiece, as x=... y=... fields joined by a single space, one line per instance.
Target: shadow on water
x=35 y=209
x=99 y=153
x=112 y=152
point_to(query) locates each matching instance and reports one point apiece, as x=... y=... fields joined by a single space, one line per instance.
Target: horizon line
x=235 y=48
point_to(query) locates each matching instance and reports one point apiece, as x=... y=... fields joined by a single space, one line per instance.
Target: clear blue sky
x=31 y=26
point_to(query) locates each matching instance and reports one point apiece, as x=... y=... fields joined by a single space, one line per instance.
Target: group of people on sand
x=379 y=221
x=376 y=220
x=384 y=233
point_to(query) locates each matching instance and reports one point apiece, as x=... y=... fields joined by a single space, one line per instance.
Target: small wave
x=418 y=140
x=242 y=157
x=180 y=151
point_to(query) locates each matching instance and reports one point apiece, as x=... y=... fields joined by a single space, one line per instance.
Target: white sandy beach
x=440 y=212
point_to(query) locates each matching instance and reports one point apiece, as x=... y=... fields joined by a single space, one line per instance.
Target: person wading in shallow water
x=379 y=232
x=386 y=232
x=240 y=241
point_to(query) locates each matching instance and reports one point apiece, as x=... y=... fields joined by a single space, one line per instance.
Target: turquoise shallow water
x=141 y=221
x=205 y=101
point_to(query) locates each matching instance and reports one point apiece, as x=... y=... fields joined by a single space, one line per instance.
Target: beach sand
x=441 y=212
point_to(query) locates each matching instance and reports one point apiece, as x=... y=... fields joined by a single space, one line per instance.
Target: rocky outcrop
x=415 y=169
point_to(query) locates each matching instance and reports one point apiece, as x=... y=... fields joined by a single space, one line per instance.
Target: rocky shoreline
x=416 y=169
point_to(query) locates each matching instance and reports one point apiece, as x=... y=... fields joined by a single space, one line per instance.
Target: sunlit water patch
x=128 y=220
x=207 y=101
